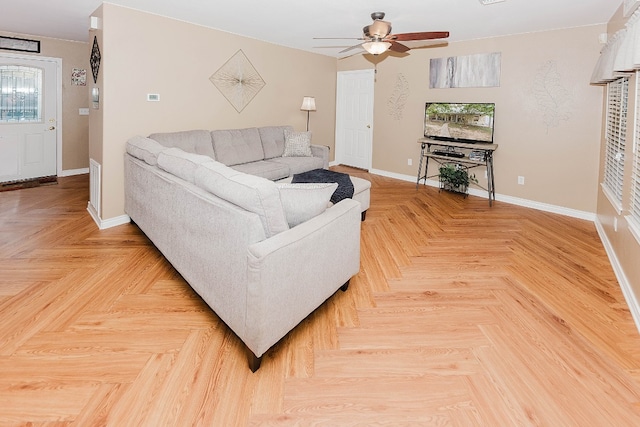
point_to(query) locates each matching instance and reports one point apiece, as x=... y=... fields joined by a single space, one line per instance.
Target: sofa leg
x=344 y=287
x=254 y=361
x=363 y=216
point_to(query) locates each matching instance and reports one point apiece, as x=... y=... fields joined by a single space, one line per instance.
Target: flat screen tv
x=461 y=122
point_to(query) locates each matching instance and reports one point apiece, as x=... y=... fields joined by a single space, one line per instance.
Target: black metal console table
x=451 y=152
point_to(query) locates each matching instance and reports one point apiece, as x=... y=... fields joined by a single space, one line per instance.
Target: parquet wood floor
x=461 y=315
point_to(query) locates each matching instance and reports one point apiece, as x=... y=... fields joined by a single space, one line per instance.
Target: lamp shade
x=376 y=48
x=308 y=103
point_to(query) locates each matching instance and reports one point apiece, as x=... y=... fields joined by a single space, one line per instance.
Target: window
x=20 y=94
x=634 y=209
x=617 y=99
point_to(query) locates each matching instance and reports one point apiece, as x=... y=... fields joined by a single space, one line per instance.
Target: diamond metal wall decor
x=95 y=59
x=238 y=81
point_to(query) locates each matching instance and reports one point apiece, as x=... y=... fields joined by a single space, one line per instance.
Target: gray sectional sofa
x=263 y=255
x=256 y=151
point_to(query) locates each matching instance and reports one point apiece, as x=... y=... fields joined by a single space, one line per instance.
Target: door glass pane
x=20 y=94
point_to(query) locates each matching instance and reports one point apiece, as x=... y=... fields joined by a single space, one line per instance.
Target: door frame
x=58 y=64
x=340 y=84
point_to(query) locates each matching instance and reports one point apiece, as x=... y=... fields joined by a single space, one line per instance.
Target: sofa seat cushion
x=272 y=138
x=236 y=146
x=301 y=202
x=145 y=149
x=297 y=144
x=265 y=169
x=180 y=163
x=191 y=141
x=253 y=193
x=300 y=164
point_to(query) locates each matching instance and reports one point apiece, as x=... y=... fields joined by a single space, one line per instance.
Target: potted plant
x=454 y=177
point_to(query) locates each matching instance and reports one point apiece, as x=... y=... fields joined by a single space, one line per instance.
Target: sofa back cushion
x=145 y=149
x=236 y=146
x=272 y=138
x=253 y=193
x=180 y=163
x=191 y=141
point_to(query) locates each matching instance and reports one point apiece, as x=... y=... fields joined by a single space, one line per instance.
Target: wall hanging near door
x=238 y=81
x=21 y=45
x=95 y=59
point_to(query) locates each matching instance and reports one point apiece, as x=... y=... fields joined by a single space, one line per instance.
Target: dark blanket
x=345 y=186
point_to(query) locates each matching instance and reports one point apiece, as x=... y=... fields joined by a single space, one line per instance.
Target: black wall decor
x=95 y=59
x=21 y=45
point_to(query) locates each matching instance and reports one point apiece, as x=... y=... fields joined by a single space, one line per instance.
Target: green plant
x=455 y=177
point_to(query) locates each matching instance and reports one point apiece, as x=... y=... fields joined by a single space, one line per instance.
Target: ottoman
x=361 y=193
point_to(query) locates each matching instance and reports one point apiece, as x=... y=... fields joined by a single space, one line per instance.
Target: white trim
x=625 y=286
x=71 y=172
x=106 y=223
x=634 y=227
x=589 y=216
x=58 y=64
x=612 y=198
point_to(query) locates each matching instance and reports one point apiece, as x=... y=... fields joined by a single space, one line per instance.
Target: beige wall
x=144 y=53
x=75 y=128
x=559 y=159
x=625 y=247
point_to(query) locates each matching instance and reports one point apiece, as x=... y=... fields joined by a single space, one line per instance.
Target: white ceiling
x=295 y=23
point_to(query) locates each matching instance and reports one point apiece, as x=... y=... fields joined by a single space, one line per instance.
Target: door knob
x=51 y=128
x=368 y=126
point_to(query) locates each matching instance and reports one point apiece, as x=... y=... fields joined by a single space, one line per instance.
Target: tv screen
x=462 y=122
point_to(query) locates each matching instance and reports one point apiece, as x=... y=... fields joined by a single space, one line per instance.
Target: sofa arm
x=294 y=272
x=321 y=151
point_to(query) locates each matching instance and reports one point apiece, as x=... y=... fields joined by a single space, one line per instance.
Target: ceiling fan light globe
x=376 y=47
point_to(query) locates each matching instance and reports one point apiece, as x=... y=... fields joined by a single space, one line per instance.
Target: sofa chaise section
x=261 y=276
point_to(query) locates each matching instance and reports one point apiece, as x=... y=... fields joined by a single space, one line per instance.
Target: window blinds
x=617 y=101
x=634 y=208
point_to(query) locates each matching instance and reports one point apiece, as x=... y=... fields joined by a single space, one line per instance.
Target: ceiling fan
x=377 y=37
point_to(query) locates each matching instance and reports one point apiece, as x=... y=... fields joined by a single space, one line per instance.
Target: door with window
x=354 y=118
x=28 y=118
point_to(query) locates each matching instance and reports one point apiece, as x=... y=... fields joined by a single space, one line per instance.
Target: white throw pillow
x=297 y=144
x=301 y=202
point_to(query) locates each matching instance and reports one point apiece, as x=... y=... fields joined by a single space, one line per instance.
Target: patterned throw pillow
x=297 y=144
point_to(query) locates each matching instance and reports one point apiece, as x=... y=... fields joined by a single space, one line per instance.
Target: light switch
x=153 y=97
x=83 y=111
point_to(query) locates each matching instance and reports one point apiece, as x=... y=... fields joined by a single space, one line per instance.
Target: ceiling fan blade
x=427 y=35
x=398 y=47
x=350 y=48
x=339 y=38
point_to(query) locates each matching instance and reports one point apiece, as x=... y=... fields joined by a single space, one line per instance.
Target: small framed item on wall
x=21 y=45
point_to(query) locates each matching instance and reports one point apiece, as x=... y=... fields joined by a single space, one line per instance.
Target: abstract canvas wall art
x=479 y=70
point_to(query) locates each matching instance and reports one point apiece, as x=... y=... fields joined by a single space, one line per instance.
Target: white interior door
x=354 y=118
x=28 y=117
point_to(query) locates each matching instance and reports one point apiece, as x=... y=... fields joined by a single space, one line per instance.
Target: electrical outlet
x=521 y=180
x=409 y=162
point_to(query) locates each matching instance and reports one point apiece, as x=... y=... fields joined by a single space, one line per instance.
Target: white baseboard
x=574 y=213
x=71 y=172
x=108 y=223
x=627 y=290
